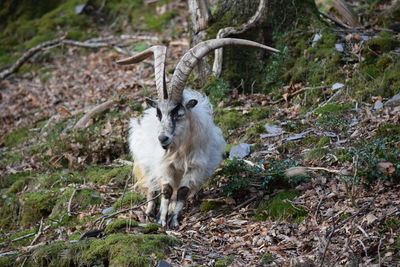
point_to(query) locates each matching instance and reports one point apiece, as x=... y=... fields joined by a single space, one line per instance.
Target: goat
x=175 y=145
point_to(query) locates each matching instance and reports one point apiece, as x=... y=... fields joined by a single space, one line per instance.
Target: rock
x=394 y=101
x=339 y=47
x=107 y=210
x=330 y=134
x=297 y=136
x=316 y=38
x=378 y=105
x=336 y=86
x=79 y=9
x=162 y=263
x=239 y=151
x=273 y=129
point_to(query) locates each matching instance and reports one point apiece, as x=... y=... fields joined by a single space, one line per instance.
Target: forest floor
x=319 y=185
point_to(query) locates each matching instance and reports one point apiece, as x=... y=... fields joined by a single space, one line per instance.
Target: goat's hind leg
x=182 y=195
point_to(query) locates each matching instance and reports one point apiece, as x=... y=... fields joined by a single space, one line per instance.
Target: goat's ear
x=191 y=103
x=151 y=103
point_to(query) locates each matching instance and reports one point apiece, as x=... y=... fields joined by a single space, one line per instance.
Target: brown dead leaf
x=386 y=167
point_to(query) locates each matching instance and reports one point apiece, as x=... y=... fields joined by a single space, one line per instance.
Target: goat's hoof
x=163 y=223
x=174 y=223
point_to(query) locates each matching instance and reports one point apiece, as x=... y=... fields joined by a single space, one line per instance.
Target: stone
x=239 y=151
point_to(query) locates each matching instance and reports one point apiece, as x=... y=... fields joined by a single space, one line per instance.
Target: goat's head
x=171 y=110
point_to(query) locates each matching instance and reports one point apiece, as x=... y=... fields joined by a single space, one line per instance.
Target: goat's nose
x=163 y=138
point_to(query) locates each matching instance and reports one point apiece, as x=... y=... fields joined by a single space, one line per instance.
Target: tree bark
x=241 y=66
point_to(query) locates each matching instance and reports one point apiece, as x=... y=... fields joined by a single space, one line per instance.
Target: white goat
x=175 y=145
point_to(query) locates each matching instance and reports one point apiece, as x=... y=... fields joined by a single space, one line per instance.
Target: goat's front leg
x=151 y=203
x=166 y=192
x=181 y=196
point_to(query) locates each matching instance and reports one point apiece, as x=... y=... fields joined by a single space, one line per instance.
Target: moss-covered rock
x=209 y=205
x=280 y=208
x=120 y=225
x=100 y=175
x=36 y=205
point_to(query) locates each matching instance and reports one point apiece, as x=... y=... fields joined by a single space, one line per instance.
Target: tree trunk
x=242 y=67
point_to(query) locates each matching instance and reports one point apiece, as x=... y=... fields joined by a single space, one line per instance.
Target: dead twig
x=324 y=103
x=94 y=111
x=17 y=239
x=125 y=210
x=70 y=202
x=245 y=203
x=39 y=233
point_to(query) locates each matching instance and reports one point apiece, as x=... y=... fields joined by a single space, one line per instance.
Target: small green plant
x=217 y=90
x=236 y=176
x=225 y=262
x=368 y=154
x=280 y=208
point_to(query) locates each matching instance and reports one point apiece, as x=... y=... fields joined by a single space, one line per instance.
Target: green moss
x=22 y=242
x=114 y=250
x=279 y=208
x=9 y=212
x=315 y=154
x=120 y=225
x=343 y=155
x=16 y=137
x=382 y=44
x=260 y=113
x=157 y=23
x=323 y=141
x=100 y=175
x=125 y=250
x=229 y=120
x=267 y=258
x=209 y=205
x=225 y=262
x=334 y=108
x=127 y=200
x=10 y=158
x=387 y=130
x=36 y=205
x=150 y=228
x=10 y=179
x=82 y=199
x=7 y=261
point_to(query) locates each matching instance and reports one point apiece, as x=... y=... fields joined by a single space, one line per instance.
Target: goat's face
x=174 y=120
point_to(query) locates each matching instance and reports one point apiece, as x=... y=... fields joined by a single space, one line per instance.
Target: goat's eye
x=159 y=115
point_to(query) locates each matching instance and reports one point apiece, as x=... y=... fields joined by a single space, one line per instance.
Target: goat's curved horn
x=159 y=52
x=192 y=57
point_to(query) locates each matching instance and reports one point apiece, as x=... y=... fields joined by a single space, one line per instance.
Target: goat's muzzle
x=165 y=141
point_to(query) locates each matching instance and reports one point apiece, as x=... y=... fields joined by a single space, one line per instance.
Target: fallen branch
x=17 y=239
x=27 y=55
x=125 y=210
x=91 y=43
x=218 y=54
x=39 y=233
x=94 y=111
x=336 y=21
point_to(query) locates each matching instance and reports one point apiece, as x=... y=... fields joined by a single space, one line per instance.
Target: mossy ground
x=280 y=208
